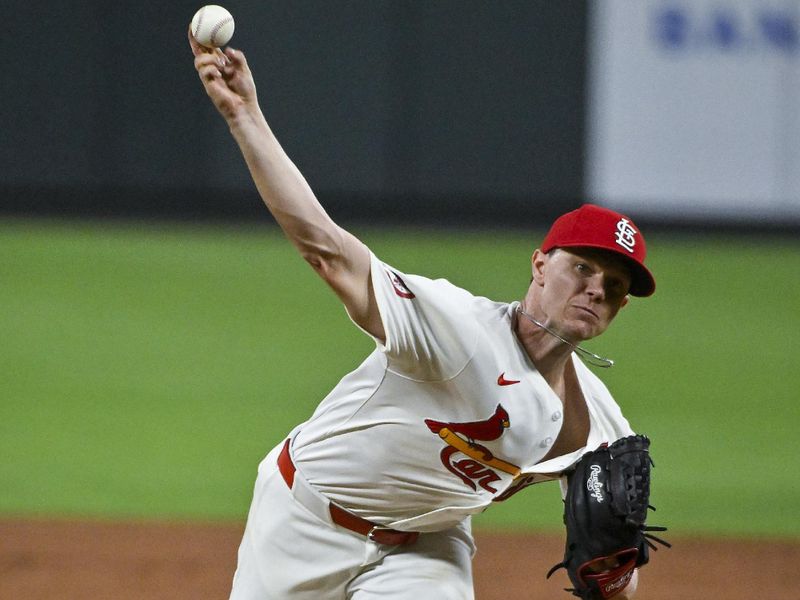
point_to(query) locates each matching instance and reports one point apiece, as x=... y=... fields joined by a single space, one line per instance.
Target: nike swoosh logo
x=503 y=381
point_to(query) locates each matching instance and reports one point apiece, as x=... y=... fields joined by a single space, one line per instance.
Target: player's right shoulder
x=430 y=330
x=411 y=286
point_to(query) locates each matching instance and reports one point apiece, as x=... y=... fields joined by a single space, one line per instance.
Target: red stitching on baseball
x=217 y=27
x=199 y=22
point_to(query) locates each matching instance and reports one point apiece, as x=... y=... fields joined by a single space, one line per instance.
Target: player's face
x=580 y=290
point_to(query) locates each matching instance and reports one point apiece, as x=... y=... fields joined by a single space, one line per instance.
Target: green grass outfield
x=146 y=368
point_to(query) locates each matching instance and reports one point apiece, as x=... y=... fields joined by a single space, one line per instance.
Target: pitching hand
x=226 y=78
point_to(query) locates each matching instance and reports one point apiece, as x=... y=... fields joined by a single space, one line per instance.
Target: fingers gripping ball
x=212 y=26
x=605 y=511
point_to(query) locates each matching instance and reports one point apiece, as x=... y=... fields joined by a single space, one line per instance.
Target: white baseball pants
x=289 y=553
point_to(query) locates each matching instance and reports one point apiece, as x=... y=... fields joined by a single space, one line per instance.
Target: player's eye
x=616 y=287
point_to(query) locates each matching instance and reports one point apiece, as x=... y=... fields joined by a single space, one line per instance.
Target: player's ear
x=538 y=261
x=625 y=301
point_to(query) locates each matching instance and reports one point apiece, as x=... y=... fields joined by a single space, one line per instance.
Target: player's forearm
x=337 y=256
x=284 y=190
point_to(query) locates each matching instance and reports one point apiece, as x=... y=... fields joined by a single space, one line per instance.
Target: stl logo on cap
x=625 y=234
x=593 y=226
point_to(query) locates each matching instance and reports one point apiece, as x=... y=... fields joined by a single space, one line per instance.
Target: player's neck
x=549 y=354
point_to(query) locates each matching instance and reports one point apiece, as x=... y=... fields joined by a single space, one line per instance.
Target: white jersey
x=445 y=417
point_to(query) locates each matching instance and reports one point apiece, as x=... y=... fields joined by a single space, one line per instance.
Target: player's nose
x=596 y=286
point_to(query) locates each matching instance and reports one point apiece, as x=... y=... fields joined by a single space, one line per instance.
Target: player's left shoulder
x=601 y=402
x=589 y=380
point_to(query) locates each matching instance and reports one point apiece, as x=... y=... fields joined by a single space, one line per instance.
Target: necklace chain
x=590 y=357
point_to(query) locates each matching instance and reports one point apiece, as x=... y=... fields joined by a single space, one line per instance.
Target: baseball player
x=464 y=401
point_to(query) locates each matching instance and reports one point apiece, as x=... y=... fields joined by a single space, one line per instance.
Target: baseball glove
x=604 y=513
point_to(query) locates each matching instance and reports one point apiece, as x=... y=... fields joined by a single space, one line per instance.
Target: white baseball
x=212 y=26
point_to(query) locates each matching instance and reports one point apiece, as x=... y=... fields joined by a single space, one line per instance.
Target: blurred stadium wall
x=694 y=109
x=436 y=112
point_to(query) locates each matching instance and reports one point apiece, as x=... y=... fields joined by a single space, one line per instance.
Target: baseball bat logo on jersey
x=471 y=462
x=400 y=287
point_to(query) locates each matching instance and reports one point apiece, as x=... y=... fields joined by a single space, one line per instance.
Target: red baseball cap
x=592 y=226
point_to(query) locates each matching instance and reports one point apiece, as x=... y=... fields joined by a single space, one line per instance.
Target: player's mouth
x=587 y=310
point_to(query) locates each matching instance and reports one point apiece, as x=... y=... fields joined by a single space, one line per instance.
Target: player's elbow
x=324 y=251
x=327 y=263
x=319 y=261
x=336 y=256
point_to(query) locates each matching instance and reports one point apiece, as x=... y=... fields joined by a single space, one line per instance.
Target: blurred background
x=153 y=320
x=435 y=112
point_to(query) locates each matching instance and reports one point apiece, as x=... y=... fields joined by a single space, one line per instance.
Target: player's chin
x=586 y=329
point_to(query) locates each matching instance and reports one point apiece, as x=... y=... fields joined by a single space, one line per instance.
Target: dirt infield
x=87 y=560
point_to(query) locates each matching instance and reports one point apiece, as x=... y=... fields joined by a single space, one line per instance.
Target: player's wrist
x=247 y=121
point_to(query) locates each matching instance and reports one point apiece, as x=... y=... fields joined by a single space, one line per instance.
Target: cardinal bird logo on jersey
x=485 y=431
x=470 y=461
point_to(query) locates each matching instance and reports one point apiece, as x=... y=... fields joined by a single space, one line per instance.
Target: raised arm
x=337 y=256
